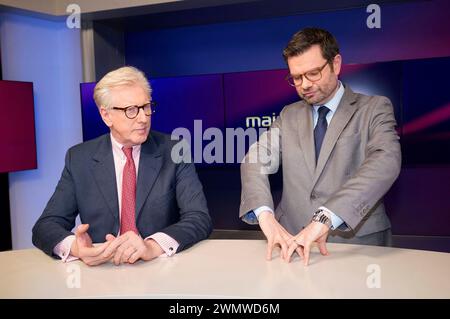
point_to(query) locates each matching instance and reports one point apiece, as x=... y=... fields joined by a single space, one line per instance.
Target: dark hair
x=306 y=38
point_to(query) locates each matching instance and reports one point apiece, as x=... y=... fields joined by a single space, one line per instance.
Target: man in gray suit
x=132 y=197
x=339 y=153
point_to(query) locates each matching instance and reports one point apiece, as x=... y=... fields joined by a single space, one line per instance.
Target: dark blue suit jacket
x=169 y=196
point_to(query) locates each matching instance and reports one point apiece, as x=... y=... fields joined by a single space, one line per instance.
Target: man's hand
x=275 y=234
x=130 y=247
x=314 y=232
x=83 y=248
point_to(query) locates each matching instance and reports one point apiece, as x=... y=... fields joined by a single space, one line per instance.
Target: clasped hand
x=126 y=248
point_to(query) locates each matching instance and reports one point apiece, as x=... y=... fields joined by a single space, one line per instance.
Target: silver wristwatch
x=321 y=217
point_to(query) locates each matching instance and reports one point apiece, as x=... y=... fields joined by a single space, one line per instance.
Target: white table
x=234 y=269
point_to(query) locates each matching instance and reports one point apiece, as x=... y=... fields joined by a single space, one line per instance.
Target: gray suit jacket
x=169 y=196
x=359 y=161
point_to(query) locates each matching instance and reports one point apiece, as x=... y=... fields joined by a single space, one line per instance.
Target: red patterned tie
x=128 y=217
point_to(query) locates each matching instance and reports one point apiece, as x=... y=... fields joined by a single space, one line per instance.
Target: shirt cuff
x=167 y=243
x=336 y=221
x=62 y=249
x=259 y=210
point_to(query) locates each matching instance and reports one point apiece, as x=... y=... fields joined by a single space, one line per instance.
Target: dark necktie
x=128 y=214
x=320 y=129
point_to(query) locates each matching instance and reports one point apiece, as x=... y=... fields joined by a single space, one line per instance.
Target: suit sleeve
x=58 y=218
x=194 y=223
x=381 y=167
x=263 y=158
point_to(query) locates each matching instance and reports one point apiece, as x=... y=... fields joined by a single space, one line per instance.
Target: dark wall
x=5 y=221
x=408 y=31
x=108 y=48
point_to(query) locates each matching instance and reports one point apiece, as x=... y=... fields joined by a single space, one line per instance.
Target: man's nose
x=306 y=84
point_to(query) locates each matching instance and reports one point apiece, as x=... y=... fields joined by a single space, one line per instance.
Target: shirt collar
x=117 y=147
x=334 y=102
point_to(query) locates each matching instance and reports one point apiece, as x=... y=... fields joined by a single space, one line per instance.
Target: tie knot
x=128 y=152
x=323 y=111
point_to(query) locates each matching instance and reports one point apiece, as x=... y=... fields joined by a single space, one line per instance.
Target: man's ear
x=337 y=63
x=106 y=116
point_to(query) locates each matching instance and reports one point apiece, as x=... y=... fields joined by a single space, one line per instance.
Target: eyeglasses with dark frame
x=313 y=76
x=133 y=110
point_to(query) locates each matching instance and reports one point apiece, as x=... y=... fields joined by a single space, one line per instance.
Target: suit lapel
x=344 y=112
x=150 y=163
x=105 y=174
x=306 y=135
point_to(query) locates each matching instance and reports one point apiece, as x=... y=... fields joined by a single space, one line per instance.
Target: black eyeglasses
x=313 y=76
x=133 y=110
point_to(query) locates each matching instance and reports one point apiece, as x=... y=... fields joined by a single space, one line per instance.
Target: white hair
x=124 y=76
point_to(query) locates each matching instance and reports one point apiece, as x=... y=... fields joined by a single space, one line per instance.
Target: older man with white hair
x=133 y=199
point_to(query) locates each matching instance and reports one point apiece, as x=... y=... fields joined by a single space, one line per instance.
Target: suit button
x=313 y=196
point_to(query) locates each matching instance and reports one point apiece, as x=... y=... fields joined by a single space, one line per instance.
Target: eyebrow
x=316 y=68
x=138 y=104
